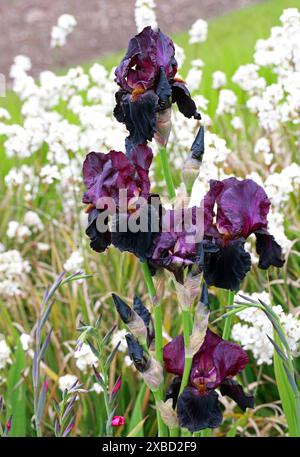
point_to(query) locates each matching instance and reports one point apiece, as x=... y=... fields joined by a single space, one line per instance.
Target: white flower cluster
x=198 y=31
x=13 y=274
x=4 y=353
x=31 y=225
x=66 y=382
x=227 y=102
x=64 y=27
x=254 y=327
x=278 y=103
x=85 y=358
x=74 y=262
x=144 y=14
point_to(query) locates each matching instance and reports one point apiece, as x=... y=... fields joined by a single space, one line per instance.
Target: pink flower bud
x=117 y=421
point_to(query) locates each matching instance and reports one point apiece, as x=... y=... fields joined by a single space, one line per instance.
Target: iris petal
x=269 y=251
x=235 y=391
x=196 y=412
x=227 y=266
x=139 y=116
x=185 y=103
x=99 y=241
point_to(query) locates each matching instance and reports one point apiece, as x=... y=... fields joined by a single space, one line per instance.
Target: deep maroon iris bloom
x=176 y=248
x=146 y=76
x=242 y=209
x=105 y=175
x=213 y=366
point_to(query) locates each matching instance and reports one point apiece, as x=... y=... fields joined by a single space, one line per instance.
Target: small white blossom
x=25 y=341
x=219 y=80
x=4 y=354
x=85 y=357
x=74 y=262
x=145 y=14
x=66 y=382
x=227 y=102
x=59 y=33
x=198 y=31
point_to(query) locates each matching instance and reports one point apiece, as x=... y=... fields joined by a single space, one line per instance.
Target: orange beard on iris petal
x=136 y=93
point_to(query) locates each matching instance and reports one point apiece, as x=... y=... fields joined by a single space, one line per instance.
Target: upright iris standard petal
x=243 y=207
x=104 y=175
x=147 y=53
x=196 y=412
x=173 y=354
x=146 y=77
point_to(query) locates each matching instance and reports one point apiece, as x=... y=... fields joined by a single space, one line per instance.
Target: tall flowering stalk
x=203 y=243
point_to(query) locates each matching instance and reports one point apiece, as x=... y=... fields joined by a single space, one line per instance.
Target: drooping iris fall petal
x=235 y=391
x=196 y=412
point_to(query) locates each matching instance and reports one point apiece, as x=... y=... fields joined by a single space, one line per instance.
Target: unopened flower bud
x=167 y=413
x=134 y=322
x=163 y=126
x=190 y=172
x=192 y=163
x=136 y=353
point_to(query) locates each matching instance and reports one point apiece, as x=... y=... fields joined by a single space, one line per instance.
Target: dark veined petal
x=140 y=240
x=99 y=241
x=105 y=174
x=138 y=69
x=173 y=390
x=269 y=250
x=227 y=266
x=139 y=116
x=235 y=391
x=173 y=355
x=243 y=207
x=182 y=96
x=147 y=53
x=228 y=359
x=166 y=55
x=197 y=412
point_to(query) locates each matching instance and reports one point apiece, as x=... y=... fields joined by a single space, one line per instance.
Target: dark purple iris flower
x=242 y=207
x=213 y=366
x=105 y=175
x=146 y=76
x=176 y=246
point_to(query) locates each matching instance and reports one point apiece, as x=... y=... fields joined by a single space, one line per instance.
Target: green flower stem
x=229 y=319
x=167 y=172
x=158 y=321
x=186 y=323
